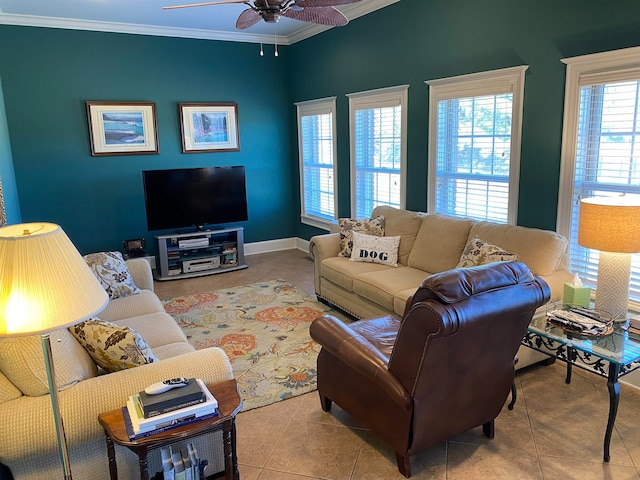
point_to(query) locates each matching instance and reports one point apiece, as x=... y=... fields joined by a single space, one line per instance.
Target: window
x=317 y=146
x=474 y=144
x=600 y=146
x=378 y=125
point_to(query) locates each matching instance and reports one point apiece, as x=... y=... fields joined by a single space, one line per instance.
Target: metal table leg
x=614 y=398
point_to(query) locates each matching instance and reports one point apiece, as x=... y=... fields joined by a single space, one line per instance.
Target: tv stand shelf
x=207 y=252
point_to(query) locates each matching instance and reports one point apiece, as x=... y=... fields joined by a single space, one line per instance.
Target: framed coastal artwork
x=122 y=128
x=209 y=127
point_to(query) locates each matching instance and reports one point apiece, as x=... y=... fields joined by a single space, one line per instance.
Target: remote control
x=166 y=385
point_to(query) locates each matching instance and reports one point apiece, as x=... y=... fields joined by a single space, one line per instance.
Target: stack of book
x=182 y=464
x=146 y=415
x=634 y=327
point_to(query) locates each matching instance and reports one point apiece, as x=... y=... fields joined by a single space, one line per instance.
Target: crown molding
x=351 y=11
x=136 y=29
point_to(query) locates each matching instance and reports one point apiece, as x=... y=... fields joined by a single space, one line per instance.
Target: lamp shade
x=610 y=224
x=45 y=284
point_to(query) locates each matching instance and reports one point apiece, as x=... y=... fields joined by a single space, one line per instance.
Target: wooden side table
x=229 y=404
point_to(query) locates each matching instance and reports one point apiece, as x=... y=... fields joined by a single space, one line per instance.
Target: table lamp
x=45 y=285
x=611 y=225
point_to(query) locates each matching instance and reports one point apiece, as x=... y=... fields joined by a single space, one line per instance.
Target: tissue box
x=576 y=295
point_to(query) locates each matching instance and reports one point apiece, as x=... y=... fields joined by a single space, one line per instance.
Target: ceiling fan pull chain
x=275 y=41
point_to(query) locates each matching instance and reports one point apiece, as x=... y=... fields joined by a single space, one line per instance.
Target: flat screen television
x=194 y=197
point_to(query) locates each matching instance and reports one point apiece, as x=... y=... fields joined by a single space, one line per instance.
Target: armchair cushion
x=112 y=347
x=112 y=273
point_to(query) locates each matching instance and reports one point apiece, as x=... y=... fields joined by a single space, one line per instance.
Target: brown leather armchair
x=445 y=368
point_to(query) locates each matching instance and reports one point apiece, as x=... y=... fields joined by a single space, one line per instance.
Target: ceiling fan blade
x=247 y=19
x=322 y=3
x=319 y=15
x=206 y=4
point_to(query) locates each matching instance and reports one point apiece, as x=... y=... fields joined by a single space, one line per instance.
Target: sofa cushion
x=132 y=306
x=112 y=273
x=8 y=390
x=342 y=271
x=113 y=347
x=479 y=252
x=381 y=289
x=403 y=223
x=372 y=249
x=22 y=362
x=371 y=226
x=440 y=243
x=400 y=300
x=171 y=350
x=157 y=329
x=540 y=250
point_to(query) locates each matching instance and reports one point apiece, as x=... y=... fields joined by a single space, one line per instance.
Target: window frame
x=379 y=98
x=494 y=82
x=598 y=68
x=321 y=106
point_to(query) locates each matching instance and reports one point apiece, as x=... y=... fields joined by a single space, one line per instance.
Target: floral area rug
x=264 y=330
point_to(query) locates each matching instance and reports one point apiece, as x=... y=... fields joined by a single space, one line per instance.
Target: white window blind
x=600 y=146
x=607 y=161
x=474 y=150
x=378 y=146
x=316 y=145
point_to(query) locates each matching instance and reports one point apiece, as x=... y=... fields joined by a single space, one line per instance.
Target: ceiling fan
x=321 y=12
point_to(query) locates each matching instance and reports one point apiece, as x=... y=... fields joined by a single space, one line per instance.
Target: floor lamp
x=45 y=285
x=611 y=225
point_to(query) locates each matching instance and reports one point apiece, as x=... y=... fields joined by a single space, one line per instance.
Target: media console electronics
x=183 y=255
x=200 y=264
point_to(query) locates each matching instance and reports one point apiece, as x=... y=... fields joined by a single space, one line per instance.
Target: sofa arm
x=140 y=270
x=556 y=282
x=360 y=354
x=324 y=246
x=28 y=421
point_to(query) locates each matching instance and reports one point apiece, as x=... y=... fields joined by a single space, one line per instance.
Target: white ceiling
x=216 y=22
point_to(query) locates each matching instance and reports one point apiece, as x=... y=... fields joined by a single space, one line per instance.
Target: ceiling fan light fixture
x=270 y=15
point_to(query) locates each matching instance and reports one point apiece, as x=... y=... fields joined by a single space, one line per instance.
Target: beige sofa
x=430 y=243
x=28 y=443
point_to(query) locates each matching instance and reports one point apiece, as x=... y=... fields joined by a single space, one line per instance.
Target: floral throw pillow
x=112 y=273
x=371 y=226
x=369 y=248
x=112 y=347
x=477 y=252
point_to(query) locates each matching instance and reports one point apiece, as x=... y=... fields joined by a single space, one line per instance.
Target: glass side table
x=611 y=356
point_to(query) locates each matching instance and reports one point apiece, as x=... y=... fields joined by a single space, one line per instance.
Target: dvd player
x=200 y=264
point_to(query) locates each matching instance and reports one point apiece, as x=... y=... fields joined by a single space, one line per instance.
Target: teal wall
x=48 y=74
x=415 y=40
x=10 y=192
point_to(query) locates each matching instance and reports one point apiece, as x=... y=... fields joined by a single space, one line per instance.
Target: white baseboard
x=276 y=245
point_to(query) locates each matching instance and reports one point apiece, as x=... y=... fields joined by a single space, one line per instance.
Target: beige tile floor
x=555 y=431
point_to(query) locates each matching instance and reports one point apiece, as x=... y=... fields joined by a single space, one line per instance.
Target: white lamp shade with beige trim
x=45 y=284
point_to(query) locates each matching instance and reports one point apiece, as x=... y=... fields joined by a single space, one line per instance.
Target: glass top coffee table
x=611 y=356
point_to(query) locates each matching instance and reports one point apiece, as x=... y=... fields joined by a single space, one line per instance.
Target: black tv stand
x=194 y=254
